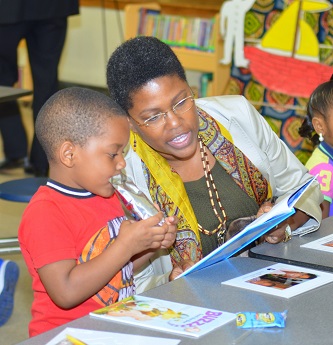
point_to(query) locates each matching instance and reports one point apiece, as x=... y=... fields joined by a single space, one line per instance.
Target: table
x=12 y=93
x=291 y=252
x=308 y=321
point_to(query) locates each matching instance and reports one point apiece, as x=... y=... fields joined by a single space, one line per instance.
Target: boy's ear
x=67 y=153
x=319 y=125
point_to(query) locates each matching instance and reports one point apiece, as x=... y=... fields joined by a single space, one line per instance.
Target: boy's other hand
x=170 y=236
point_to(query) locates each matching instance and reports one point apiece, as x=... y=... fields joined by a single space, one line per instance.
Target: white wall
x=91 y=38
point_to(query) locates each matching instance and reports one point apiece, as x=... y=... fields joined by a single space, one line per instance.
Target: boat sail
x=287 y=58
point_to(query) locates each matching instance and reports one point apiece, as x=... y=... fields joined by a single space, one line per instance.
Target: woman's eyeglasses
x=179 y=108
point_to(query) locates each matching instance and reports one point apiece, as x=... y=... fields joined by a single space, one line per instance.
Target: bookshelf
x=191 y=59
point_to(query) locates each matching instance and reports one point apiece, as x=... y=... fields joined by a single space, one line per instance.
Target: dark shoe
x=8 y=164
x=9 y=273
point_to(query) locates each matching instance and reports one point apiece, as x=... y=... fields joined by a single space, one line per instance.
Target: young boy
x=79 y=248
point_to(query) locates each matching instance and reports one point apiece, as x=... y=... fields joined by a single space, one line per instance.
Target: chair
x=20 y=190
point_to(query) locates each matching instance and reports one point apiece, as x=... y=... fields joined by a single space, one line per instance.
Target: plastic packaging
x=248 y=319
x=135 y=202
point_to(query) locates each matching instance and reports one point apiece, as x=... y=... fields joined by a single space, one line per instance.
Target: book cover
x=79 y=336
x=251 y=232
x=165 y=316
x=282 y=280
x=324 y=244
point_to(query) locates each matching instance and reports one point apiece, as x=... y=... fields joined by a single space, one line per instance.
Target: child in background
x=79 y=248
x=318 y=127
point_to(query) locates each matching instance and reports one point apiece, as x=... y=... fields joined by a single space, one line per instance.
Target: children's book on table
x=164 y=315
x=279 y=212
x=80 y=336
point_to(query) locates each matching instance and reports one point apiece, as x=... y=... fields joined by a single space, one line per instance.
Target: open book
x=279 y=212
x=165 y=316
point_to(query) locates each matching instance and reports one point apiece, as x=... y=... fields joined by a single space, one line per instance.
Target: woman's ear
x=132 y=127
x=319 y=125
x=67 y=153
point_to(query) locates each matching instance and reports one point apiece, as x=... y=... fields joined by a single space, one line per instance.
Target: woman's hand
x=180 y=268
x=282 y=232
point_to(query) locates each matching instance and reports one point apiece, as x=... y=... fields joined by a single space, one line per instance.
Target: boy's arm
x=69 y=284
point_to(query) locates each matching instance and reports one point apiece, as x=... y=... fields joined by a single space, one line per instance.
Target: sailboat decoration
x=287 y=58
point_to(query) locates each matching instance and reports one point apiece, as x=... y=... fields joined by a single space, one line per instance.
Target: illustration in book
x=79 y=336
x=165 y=315
x=282 y=280
x=325 y=244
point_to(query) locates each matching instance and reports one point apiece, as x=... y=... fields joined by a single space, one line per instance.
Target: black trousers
x=45 y=40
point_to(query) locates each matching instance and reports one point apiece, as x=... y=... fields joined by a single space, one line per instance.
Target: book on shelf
x=178 y=31
x=164 y=316
x=279 y=212
x=281 y=280
x=324 y=244
x=80 y=336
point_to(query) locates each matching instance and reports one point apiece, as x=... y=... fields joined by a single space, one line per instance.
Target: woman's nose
x=172 y=118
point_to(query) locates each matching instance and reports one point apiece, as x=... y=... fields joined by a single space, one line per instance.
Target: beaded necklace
x=221 y=229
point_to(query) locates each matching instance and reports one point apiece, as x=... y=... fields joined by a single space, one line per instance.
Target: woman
x=208 y=161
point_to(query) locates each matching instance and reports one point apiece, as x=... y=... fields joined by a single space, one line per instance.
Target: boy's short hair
x=74 y=114
x=137 y=61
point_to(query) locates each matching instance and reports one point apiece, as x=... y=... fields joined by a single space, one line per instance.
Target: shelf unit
x=206 y=62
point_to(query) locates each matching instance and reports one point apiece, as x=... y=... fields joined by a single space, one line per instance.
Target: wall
x=91 y=38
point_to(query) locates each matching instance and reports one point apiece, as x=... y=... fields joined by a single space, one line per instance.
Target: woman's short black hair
x=137 y=61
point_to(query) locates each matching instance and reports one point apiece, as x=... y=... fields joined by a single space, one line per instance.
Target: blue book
x=279 y=212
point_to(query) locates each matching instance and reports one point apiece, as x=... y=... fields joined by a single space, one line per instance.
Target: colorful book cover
x=79 y=336
x=165 y=316
x=279 y=212
x=282 y=280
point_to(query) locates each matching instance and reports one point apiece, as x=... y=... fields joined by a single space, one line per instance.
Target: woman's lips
x=180 y=141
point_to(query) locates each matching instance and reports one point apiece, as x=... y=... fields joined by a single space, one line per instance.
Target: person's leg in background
x=11 y=127
x=45 y=42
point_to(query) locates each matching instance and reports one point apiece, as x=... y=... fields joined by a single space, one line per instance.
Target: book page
x=165 y=316
x=76 y=336
x=282 y=280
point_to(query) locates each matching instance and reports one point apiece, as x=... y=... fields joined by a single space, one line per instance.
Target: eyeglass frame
x=165 y=113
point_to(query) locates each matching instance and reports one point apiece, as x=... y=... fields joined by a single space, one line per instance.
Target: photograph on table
x=325 y=244
x=282 y=280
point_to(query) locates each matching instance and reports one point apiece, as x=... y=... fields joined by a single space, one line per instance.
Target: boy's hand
x=170 y=236
x=139 y=236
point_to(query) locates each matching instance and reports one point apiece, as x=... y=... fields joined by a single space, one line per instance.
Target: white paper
x=281 y=280
x=91 y=337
